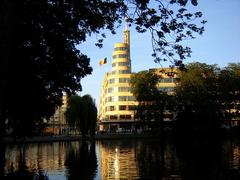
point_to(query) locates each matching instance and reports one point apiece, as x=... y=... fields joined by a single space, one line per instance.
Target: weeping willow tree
x=82 y=113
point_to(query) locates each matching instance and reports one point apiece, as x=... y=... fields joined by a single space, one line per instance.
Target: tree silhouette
x=82 y=113
x=152 y=101
x=229 y=87
x=199 y=109
x=81 y=162
x=73 y=113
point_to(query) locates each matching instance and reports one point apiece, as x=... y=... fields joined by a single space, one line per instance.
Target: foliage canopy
x=207 y=97
x=152 y=102
x=82 y=113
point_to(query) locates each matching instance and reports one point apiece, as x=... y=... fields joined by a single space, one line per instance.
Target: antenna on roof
x=126 y=33
x=126 y=24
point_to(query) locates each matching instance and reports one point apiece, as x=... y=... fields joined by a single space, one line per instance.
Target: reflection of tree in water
x=2 y=160
x=154 y=159
x=202 y=159
x=22 y=172
x=157 y=160
x=81 y=162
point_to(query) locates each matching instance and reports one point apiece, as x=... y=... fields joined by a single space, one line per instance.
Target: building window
x=168 y=80
x=122 y=98
x=121 y=49
x=131 y=98
x=126 y=98
x=124 y=71
x=110 y=99
x=120 y=64
x=113 y=117
x=110 y=108
x=131 y=108
x=125 y=117
x=123 y=64
x=122 y=108
x=123 y=89
x=120 y=56
x=114 y=72
x=124 y=80
x=111 y=81
x=110 y=90
x=166 y=89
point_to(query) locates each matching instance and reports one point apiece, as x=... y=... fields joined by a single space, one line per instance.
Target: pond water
x=122 y=159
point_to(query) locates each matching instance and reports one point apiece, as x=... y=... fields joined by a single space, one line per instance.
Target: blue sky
x=219 y=44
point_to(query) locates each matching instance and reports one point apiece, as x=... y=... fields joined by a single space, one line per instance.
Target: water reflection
x=46 y=156
x=58 y=160
x=81 y=161
x=117 y=160
x=122 y=159
x=138 y=160
x=200 y=159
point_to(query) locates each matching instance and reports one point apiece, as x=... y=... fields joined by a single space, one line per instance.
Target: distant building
x=57 y=123
x=117 y=103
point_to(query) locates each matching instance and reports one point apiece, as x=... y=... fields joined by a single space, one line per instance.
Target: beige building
x=57 y=123
x=117 y=103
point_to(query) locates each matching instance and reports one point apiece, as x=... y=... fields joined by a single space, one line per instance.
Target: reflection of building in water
x=36 y=157
x=117 y=163
x=235 y=156
x=138 y=160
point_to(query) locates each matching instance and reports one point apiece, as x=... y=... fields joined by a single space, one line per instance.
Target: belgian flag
x=103 y=61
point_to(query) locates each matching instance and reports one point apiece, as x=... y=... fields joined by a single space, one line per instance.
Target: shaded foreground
x=122 y=159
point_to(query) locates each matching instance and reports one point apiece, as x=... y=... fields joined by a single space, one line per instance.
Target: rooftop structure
x=117 y=101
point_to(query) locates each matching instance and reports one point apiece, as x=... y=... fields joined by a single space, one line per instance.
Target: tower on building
x=117 y=103
x=116 y=111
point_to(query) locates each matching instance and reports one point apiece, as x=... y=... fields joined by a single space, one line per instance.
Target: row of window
x=118 y=117
x=117 y=89
x=119 y=98
x=166 y=89
x=168 y=80
x=127 y=80
x=129 y=117
x=119 y=80
x=127 y=71
x=120 y=56
x=121 y=64
x=120 y=108
x=121 y=49
x=126 y=98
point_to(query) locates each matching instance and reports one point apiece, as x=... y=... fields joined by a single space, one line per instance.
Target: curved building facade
x=116 y=110
x=117 y=103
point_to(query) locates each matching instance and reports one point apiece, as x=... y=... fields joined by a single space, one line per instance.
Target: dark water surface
x=122 y=159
